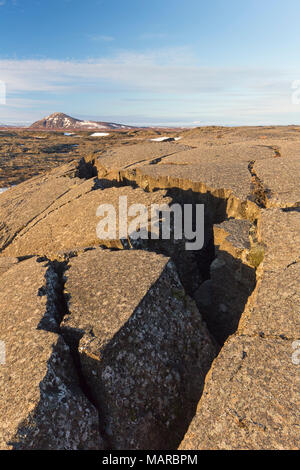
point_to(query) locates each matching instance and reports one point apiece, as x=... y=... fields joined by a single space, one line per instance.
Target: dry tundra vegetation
x=27 y=153
x=123 y=344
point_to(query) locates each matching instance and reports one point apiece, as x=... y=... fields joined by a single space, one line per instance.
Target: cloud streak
x=153 y=72
x=173 y=75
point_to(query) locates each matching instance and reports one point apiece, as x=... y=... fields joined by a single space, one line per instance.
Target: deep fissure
x=193 y=269
x=59 y=308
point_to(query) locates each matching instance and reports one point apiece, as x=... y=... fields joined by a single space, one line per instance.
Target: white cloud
x=156 y=72
x=182 y=87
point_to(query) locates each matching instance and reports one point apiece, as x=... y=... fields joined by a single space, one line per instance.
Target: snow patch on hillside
x=164 y=139
x=3 y=189
x=99 y=134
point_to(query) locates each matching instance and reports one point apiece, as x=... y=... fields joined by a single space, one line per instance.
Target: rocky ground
x=28 y=152
x=119 y=344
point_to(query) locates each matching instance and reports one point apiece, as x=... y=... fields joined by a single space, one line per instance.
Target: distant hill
x=63 y=121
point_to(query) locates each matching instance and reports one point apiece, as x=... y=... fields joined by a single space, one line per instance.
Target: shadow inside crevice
x=221 y=293
x=222 y=299
x=230 y=287
x=223 y=306
x=134 y=404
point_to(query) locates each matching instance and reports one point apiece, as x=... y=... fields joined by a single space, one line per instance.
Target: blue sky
x=165 y=62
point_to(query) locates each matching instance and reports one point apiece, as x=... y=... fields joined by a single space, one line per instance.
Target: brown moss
x=256 y=255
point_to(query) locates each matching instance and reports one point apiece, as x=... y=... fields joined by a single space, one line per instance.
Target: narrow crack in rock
x=259 y=192
x=57 y=309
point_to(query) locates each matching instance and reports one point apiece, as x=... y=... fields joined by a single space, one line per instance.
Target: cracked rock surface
x=222 y=298
x=250 y=399
x=112 y=344
x=42 y=405
x=144 y=348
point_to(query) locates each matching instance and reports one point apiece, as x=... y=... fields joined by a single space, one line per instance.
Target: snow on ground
x=68 y=133
x=99 y=134
x=91 y=124
x=162 y=139
x=2 y=190
x=159 y=139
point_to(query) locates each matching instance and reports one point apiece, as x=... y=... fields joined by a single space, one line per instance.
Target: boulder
x=143 y=345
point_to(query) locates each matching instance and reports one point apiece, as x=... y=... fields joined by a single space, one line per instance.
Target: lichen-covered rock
x=114 y=159
x=72 y=221
x=23 y=204
x=274 y=309
x=221 y=170
x=280 y=178
x=219 y=173
x=279 y=231
x=6 y=263
x=63 y=419
x=143 y=345
x=42 y=405
x=251 y=398
x=233 y=236
x=133 y=344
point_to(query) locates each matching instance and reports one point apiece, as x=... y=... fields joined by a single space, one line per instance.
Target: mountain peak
x=57 y=114
x=63 y=121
